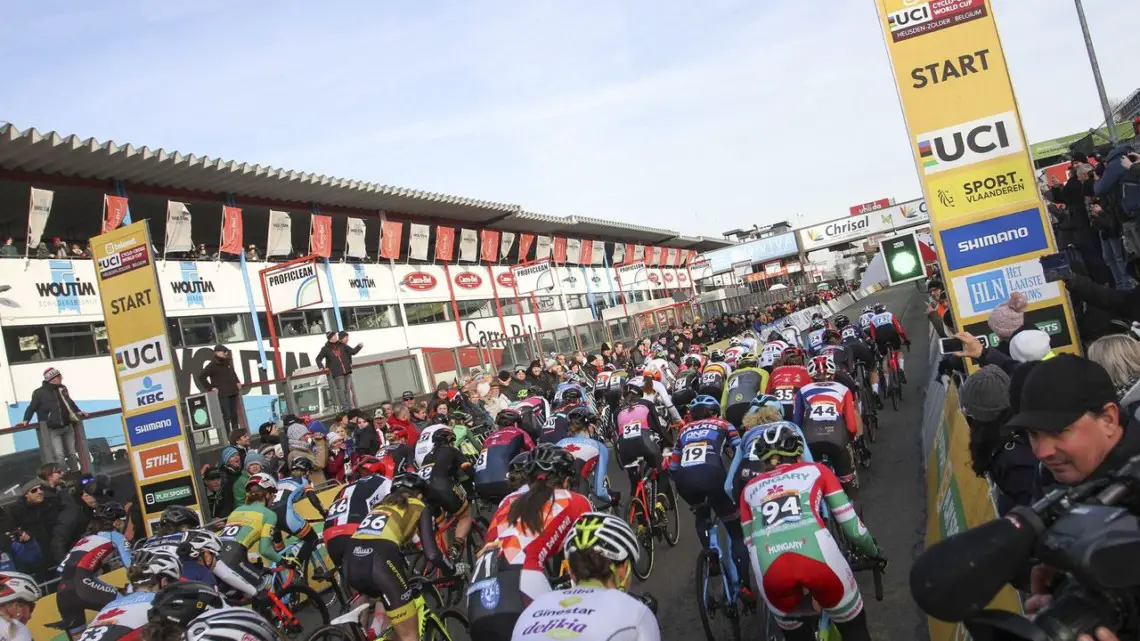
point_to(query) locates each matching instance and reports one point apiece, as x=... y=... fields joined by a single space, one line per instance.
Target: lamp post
x=1108 y=120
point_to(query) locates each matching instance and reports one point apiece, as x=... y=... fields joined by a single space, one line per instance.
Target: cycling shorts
x=288 y=520
x=452 y=498
x=495 y=604
x=830 y=582
x=841 y=458
x=887 y=336
x=377 y=570
x=83 y=591
x=235 y=570
x=703 y=483
x=631 y=449
x=337 y=546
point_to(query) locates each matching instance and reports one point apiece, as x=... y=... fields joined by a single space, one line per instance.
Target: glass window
x=198 y=330
x=422 y=313
x=369 y=317
x=301 y=323
x=101 y=346
x=469 y=309
x=233 y=328
x=509 y=306
x=577 y=301
x=26 y=344
x=175 y=333
x=71 y=341
x=548 y=303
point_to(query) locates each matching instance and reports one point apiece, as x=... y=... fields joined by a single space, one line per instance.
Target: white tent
x=777 y=287
x=876 y=272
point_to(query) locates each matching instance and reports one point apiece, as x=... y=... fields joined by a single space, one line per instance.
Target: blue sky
x=696 y=116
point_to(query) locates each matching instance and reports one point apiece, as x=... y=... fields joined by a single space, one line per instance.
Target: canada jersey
x=91 y=552
x=591 y=458
x=772 y=352
x=121 y=619
x=781 y=512
x=822 y=407
x=353 y=503
x=517 y=545
x=700 y=444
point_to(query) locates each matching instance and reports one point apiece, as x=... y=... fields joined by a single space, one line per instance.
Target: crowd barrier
x=956 y=498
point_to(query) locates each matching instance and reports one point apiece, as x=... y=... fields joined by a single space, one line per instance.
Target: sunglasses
x=36 y=490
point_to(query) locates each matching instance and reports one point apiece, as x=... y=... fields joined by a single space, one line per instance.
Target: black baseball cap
x=221 y=348
x=408 y=396
x=1059 y=391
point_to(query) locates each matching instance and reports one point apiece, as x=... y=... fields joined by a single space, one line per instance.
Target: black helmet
x=508 y=417
x=571 y=394
x=409 y=481
x=579 y=415
x=303 y=464
x=443 y=436
x=182 y=602
x=110 y=511
x=840 y=321
x=550 y=461
x=177 y=516
x=519 y=464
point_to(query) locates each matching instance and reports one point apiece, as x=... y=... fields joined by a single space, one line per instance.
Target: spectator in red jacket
x=334 y=469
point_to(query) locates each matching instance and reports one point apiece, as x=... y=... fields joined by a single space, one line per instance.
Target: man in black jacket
x=31 y=514
x=52 y=404
x=73 y=520
x=219 y=374
x=338 y=361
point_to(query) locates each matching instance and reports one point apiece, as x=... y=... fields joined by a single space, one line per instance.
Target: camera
x=1092 y=534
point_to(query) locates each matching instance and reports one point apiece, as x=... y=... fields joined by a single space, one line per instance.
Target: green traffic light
x=201 y=417
x=904 y=263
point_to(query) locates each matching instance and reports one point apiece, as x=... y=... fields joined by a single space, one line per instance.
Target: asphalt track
x=891 y=493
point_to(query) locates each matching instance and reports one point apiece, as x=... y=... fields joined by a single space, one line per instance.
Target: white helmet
x=199 y=541
x=603 y=533
x=733 y=342
x=263 y=481
x=156 y=563
x=230 y=624
x=16 y=586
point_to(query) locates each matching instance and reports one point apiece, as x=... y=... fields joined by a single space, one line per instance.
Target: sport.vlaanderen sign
x=969 y=148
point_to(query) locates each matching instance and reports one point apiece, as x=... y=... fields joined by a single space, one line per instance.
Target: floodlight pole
x=1109 y=122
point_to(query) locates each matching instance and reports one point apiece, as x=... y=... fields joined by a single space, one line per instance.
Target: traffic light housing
x=902 y=258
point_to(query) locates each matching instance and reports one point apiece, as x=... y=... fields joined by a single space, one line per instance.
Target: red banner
x=525 y=241
x=445 y=244
x=320 y=236
x=391 y=233
x=628 y=258
x=231 y=242
x=650 y=255
x=586 y=255
x=489 y=245
x=116 y=211
x=690 y=256
x=559 y=249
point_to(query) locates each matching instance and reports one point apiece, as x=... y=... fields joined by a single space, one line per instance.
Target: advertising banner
x=320 y=235
x=39 y=208
x=292 y=286
x=573 y=251
x=390 y=237
x=418 y=241
x=279 y=241
x=231 y=241
x=468 y=245
x=355 y=233
x=631 y=275
x=866 y=208
x=144 y=370
x=115 y=211
x=508 y=242
x=538 y=277
x=489 y=245
x=422 y=282
x=363 y=283
x=969 y=149
x=445 y=244
x=542 y=247
x=525 y=243
x=619 y=253
x=177 y=228
x=701 y=269
x=753 y=251
x=559 y=249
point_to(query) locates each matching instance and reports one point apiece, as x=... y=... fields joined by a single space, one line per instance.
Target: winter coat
x=49 y=403
x=220 y=374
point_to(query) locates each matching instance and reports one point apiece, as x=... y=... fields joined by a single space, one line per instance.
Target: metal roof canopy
x=205 y=178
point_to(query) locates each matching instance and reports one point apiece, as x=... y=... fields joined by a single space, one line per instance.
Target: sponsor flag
x=489 y=245
x=115 y=212
x=177 y=228
x=525 y=241
x=390 y=233
x=542 y=248
x=231 y=231
x=280 y=238
x=507 y=243
x=573 y=250
x=586 y=256
x=320 y=235
x=599 y=253
x=39 y=208
x=355 y=234
x=638 y=253
x=560 y=249
x=651 y=256
x=674 y=257
x=619 y=253
x=418 y=241
x=468 y=245
x=445 y=244
x=689 y=256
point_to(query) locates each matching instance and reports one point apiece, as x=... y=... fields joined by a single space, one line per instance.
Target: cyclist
x=766 y=410
x=733 y=354
x=887 y=332
x=637 y=422
x=122 y=619
x=825 y=410
x=773 y=350
x=684 y=388
x=567 y=396
x=377 y=568
x=660 y=363
x=791 y=548
x=791 y=334
x=844 y=360
x=499 y=450
x=394 y=457
x=81 y=587
x=698 y=471
x=461 y=423
x=198 y=551
x=591 y=457
x=713 y=376
x=534 y=410
x=290 y=491
x=518 y=473
x=790 y=376
x=444 y=469
x=600 y=550
x=352 y=504
x=656 y=392
x=529 y=525
x=175 y=606
x=18 y=596
x=743 y=385
x=174 y=521
x=230 y=624
x=247 y=538
x=851 y=337
x=426 y=442
x=558 y=427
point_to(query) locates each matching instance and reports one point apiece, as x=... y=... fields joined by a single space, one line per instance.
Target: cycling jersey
x=290 y=490
x=425 y=445
x=840 y=355
x=591 y=457
x=635 y=424
x=745 y=464
x=791 y=548
x=772 y=352
x=395 y=458
x=121 y=619
x=712 y=379
x=865 y=319
x=784 y=382
x=534 y=412
x=743 y=386
x=556 y=429
x=499 y=449
x=822 y=406
x=815 y=340
x=80 y=586
x=251 y=526
x=886 y=329
x=587 y=612
x=442 y=469
x=660 y=396
x=700 y=445
x=684 y=388
x=516 y=545
x=663 y=366
x=13 y=630
x=733 y=354
x=352 y=504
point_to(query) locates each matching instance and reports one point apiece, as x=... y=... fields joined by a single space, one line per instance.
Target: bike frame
x=728 y=575
x=639 y=492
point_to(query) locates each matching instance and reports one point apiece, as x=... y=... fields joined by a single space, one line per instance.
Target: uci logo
x=141 y=356
x=969 y=143
x=909 y=17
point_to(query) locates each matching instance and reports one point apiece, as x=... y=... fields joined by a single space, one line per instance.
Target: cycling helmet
x=110 y=511
x=519 y=465
x=458 y=416
x=867 y=309
x=302 y=464
x=816 y=315
x=17 y=586
x=571 y=395
x=230 y=624
x=748 y=360
x=821 y=366
x=818 y=323
x=177 y=516
x=767 y=400
x=733 y=342
x=443 y=436
x=660 y=352
x=579 y=415
x=831 y=335
x=182 y=602
x=551 y=462
x=716 y=356
x=198 y=541
x=409 y=481
x=508 y=417
x=707 y=402
x=840 y=321
x=695 y=349
x=880 y=308
x=652 y=373
x=778 y=439
x=156 y=563
x=792 y=354
x=606 y=534
x=692 y=361
x=262 y=481
x=635 y=384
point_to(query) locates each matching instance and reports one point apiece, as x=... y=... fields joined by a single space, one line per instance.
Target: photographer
x=73 y=520
x=997 y=453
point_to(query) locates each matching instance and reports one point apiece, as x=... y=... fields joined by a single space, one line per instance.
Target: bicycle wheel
x=301 y=598
x=644 y=531
x=452 y=622
x=672 y=530
x=712 y=601
x=895 y=392
x=350 y=632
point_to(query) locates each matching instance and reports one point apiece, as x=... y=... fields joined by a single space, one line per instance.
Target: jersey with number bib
x=865 y=319
x=815 y=340
x=425 y=445
x=121 y=619
x=391 y=522
x=588 y=612
x=499 y=448
x=826 y=410
x=784 y=382
x=700 y=445
x=772 y=352
x=712 y=379
x=517 y=545
x=353 y=503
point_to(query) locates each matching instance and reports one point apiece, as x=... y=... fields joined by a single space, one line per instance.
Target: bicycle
x=315 y=568
x=646 y=525
x=713 y=597
x=285 y=598
x=867 y=403
x=891 y=380
x=435 y=622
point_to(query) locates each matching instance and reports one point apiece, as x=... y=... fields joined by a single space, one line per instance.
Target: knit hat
x=1008 y=317
x=1029 y=345
x=50 y=373
x=253 y=457
x=228 y=452
x=299 y=437
x=985 y=394
x=334 y=438
x=317 y=426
